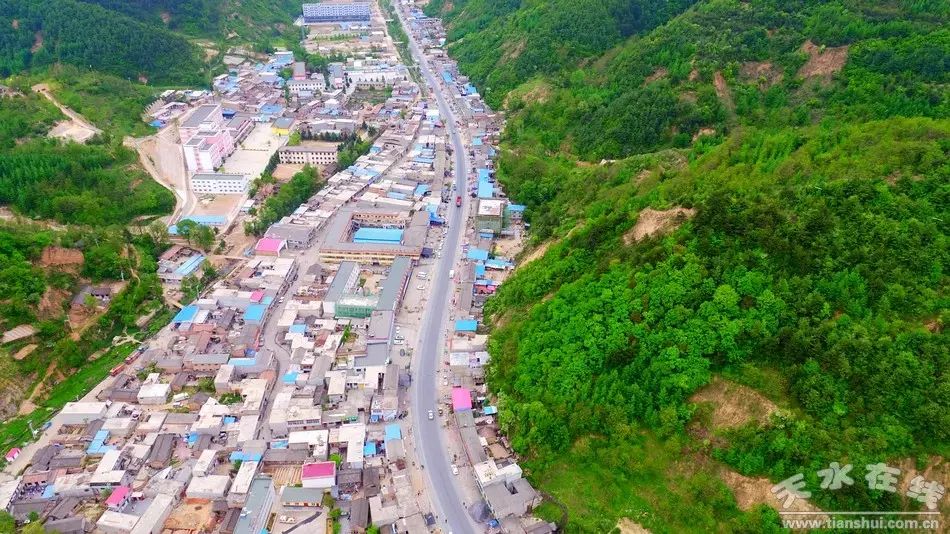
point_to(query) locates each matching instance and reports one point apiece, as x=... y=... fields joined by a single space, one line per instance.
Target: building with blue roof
x=447 y=77
x=186 y=314
x=393 y=431
x=255 y=313
x=466 y=325
x=369 y=448
x=421 y=190
x=98 y=447
x=485 y=189
x=498 y=264
x=383 y=236
x=190 y=265
x=241 y=456
x=477 y=254
x=480 y=269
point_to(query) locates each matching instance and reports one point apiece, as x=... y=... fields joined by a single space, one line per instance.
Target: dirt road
x=77 y=128
x=162 y=157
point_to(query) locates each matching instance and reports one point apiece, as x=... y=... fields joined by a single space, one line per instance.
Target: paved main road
x=428 y=436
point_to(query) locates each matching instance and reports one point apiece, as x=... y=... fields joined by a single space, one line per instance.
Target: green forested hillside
x=98 y=184
x=810 y=142
x=36 y=33
x=541 y=37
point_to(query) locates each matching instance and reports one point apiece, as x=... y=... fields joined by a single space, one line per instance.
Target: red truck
x=458 y=201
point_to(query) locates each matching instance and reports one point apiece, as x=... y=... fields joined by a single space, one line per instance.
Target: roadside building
x=490 y=215
x=81 y=413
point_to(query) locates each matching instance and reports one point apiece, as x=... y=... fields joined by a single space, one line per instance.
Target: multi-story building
x=490 y=214
x=309 y=153
x=219 y=184
x=206 y=139
x=295 y=87
x=325 y=12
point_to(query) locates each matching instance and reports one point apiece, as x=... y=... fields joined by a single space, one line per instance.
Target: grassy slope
x=825 y=190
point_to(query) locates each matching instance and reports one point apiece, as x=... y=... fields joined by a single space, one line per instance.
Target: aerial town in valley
x=332 y=378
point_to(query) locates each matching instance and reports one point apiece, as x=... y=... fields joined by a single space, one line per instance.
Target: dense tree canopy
x=37 y=33
x=96 y=184
x=810 y=141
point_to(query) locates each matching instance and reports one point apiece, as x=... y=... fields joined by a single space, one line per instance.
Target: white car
x=431 y=415
x=455 y=469
x=420 y=287
x=399 y=342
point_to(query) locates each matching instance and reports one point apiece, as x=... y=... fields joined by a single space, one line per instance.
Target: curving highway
x=429 y=438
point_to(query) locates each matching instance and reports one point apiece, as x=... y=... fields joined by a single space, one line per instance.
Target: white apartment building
x=313 y=85
x=219 y=184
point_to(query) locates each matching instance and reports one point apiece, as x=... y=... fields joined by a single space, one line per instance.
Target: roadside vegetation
x=792 y=157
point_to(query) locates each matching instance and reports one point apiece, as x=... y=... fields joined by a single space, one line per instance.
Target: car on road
x=455 y=469
x=431 y=415
x=399 y=342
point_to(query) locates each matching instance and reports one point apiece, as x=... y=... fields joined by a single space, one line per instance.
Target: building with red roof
x=461 y=399
x=269 y=246
x=318 y=475
x=119 y=498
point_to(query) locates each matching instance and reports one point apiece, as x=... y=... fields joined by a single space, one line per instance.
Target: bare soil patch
x=24 y=352
x=734 y=404
x=61 y=257
x=52 y=302
x=37 y=42
x=822 y=62
x=751 y=492
x=627 y=526
x=658 y=74
x=538 y=252
x=653 y=221
x=512 y=51
x=723 y=92
x=762 y=72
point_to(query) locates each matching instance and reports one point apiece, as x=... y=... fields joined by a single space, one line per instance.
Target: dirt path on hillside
x=76 y=128
x=28 y=406
x=162 y=158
